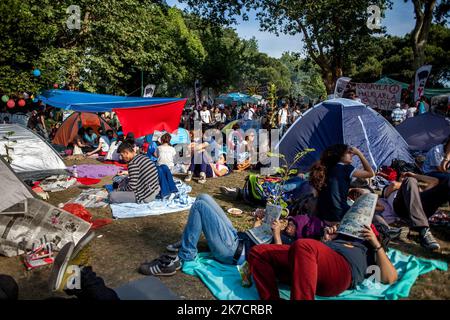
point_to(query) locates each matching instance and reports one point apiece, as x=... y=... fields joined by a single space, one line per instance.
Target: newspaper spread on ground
x=359 y=215
x=92 y=198
x=42 y=220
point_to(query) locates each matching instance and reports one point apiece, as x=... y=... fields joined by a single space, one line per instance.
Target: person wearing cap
x=398 y=115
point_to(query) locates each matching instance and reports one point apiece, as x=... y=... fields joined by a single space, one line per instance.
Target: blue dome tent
x=344 y=121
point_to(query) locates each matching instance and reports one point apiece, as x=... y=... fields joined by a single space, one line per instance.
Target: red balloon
x=21 y=103
x=56 y=86
x=10 y=104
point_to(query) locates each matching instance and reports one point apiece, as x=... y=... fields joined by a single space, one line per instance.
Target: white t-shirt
x=296 y=114
x=112 y=152
x=166 y=155
x=249 y=114
x=205 y=116
x=433 y=159
x=105 y=143
x=284 y=116
x=410 y=112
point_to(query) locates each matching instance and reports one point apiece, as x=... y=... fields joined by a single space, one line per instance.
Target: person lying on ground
x=406 y=199
x=104 y=143
x=331 y=177
x=91 y=287
x=324 y=268
x=437 y=161
x=142 y=184
x=227 y=245
x=206 y=168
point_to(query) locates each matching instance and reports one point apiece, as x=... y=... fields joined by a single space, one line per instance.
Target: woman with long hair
x=331 y=177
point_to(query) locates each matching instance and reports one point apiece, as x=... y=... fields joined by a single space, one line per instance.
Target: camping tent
x=12 y=189
x=32 y=157
x=69 y=128
x=141 y=116
x=179 y=136
x=344 y=121
x=424 y=131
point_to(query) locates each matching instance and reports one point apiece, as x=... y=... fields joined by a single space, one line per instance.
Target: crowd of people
x=306 y=252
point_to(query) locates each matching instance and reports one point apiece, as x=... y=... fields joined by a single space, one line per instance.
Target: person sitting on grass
x=405 y=199
x=90 y=138
x=79 y=145
x=324 y=268
x=227 y=245
x=104 y=143
x=112 y=154
x=437 y=161
x=206 y=168
x=165 y=152
x=142 y=184
x=331 y=177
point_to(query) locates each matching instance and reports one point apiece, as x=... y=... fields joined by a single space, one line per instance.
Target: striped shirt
x=143 y=178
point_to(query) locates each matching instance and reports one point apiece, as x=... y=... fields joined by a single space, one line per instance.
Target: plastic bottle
x=75 y=171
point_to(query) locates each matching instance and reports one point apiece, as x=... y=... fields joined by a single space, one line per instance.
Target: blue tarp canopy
x=92 y=102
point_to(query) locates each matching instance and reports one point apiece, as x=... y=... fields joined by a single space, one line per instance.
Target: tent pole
x=142 y=82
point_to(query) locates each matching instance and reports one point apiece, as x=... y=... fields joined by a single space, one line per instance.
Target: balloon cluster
x=11 y=103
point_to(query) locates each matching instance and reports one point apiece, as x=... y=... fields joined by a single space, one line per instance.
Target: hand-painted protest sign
x=380 y=96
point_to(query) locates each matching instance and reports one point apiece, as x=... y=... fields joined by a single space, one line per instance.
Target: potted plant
x=275 y=191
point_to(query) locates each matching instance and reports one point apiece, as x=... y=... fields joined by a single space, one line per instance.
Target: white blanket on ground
x=154 y=208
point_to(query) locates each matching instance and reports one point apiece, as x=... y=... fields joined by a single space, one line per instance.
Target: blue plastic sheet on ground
x=224 y=281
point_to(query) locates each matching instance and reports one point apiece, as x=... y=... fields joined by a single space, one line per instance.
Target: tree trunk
x=424 y=17
x=329 y=80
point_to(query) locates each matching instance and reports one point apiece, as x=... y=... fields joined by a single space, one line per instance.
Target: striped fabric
x=143 y=178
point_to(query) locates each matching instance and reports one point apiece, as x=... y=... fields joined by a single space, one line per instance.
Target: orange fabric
x=69 y=129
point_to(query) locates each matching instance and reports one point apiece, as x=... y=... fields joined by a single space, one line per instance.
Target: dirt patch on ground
x=121 y=246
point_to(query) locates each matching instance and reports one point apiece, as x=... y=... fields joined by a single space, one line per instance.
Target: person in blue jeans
x=226 y=244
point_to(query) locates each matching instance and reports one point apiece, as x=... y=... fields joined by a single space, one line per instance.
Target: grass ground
x=121 y=246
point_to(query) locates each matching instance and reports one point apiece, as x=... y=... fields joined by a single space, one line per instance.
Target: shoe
x=174 y=247
x=427 y=240
x=59 y=275
x=189 y=176
x=229 y=192
x=165 y=265
x=202 y=179
x=172 y=196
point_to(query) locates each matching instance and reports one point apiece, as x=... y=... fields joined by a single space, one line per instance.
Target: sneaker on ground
x=202 y=179
x=162 y=266
x=59 y=275
x=189 y=176
x=428 y=242
x=229 y=192
x=174 y=247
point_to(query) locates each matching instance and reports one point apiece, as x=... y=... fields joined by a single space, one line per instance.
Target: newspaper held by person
x=263 y=234
x=358 y=216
